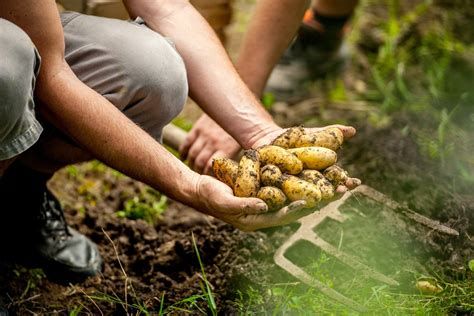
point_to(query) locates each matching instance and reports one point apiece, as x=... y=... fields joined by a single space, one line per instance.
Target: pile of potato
x=296 y=166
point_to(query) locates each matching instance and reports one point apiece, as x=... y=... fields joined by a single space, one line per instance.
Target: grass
x=299 y=299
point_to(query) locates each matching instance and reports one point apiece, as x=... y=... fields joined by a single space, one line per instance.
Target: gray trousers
x=135 y=68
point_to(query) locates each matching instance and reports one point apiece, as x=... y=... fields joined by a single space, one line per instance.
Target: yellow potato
x=298 y=189
x=280 y=157
x=247 y=182
x=317 y=158
x=289 y=138
x=326 y=188
x=225 y=170
x=274 y=197
x=331 y=138
x=270 y=175
x=311 y=175
x=317 y=178
x=336 y=175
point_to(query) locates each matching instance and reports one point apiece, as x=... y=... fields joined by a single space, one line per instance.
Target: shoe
x=312 y=55
x=34 y=223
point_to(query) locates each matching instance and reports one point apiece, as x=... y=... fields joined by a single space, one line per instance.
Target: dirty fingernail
x=262 y=207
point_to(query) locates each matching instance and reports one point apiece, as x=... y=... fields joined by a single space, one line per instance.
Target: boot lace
x=51 y=218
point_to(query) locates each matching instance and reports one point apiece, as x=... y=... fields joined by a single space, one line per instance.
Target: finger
x=352 y=183
x=184 y=148
x=202 y=159
x=252 y=206
x=284 y=216
x=347 y=131
x=341 y=189
x=198 y=145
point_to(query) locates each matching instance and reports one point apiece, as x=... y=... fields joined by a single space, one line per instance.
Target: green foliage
x=268 y=99
x=182 y=123
x=207 y=291
x=299 y=299
x=149 y=205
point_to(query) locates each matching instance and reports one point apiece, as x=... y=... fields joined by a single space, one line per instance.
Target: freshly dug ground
x=151 y=262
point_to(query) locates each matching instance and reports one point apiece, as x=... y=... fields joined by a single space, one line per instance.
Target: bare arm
x=270 y=31
x=79 y=112
x=213 y=81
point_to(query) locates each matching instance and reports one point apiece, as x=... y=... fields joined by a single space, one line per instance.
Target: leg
x=19 y=65
x=318 y=50
x=136 y=69
x=139 y=72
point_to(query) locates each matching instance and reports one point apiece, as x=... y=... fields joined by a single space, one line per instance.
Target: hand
x=247 y=214
x=206 y=141
x=347 y=131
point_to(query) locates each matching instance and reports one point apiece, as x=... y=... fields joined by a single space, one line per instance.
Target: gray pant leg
x=135 y=68
x=19 y=66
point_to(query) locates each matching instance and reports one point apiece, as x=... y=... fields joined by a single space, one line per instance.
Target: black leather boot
x=33 y=228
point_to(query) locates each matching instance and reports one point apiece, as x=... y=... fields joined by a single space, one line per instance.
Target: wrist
x=260 y=133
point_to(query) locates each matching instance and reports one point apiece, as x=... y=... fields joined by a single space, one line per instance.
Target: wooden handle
x=173 y=136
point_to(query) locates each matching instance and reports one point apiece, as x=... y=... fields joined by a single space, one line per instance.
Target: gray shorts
x=19 y=66
x=135 y=68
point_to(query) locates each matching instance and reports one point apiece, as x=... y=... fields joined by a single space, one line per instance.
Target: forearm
x=271 y=30
x=214 y=83
x=94 y=123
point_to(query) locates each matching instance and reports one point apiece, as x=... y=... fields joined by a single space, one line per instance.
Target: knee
x=18 y=65
x=161 y=78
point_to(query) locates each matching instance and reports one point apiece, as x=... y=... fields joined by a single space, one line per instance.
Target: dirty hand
x=347 y=131
x=247 y=214
x=206 y=141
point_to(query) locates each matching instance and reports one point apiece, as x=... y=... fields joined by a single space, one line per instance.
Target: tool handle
x=174 y=136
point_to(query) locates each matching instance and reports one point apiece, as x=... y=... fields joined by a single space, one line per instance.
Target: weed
x=208 y=293
x=146 y=206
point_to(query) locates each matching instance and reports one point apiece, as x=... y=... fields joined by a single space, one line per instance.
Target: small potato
x=225 y=170
x=316 y=158
x=247 y=182
x=326 y=188
x=274 y=197
x=280 y=157
x=298 y=189
x=289 y=138
x=317 y=178
x=311 y=175
x=331 y=138
x=270 y=175
x=336 y=175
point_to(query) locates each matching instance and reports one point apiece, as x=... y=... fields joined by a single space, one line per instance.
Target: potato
x=247 y=182
x=311 y=175
x=274 y=197
x=270 y=175
x=286 y=161
x=298 y=189
x=331 y=138
x=326 y=188
x=225 y=170
x=336 y=175
x=317 y=178
x=316 y=158
x=289 y=138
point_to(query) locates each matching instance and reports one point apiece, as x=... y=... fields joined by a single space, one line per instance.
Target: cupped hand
x=247 y=214
x=206 y=141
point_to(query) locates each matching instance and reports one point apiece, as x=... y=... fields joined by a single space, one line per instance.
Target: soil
x=144 y=263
